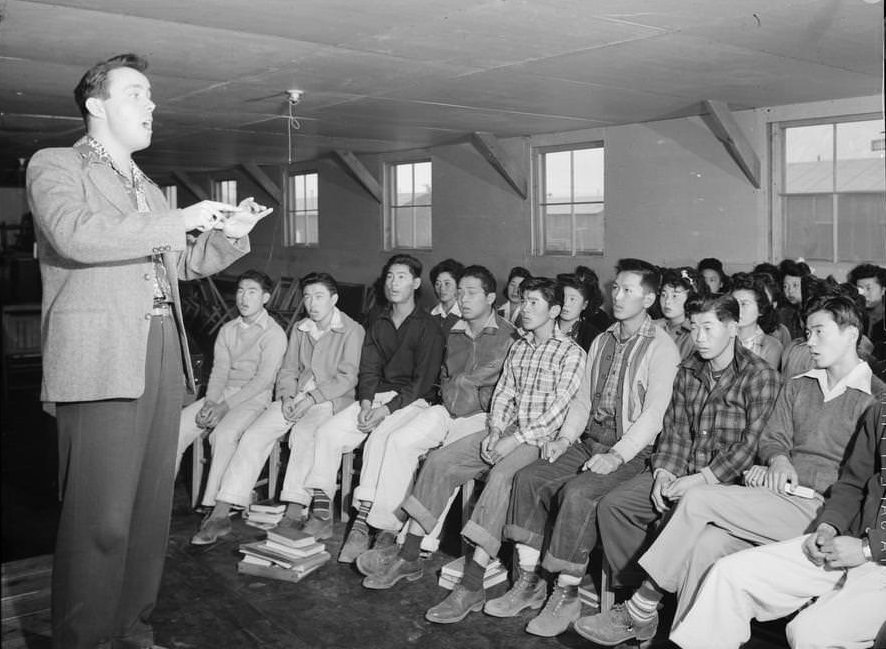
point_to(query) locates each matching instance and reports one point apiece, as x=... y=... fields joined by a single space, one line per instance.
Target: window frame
x=778 y=175
x=221 y=189
x=389 y=192
x=290 y=227
x=538 y=183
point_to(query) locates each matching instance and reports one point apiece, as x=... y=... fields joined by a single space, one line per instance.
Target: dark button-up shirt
x=714 y=428
x=405 y=359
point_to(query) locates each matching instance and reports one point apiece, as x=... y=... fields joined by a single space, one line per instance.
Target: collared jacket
x=472 y=366
x=645 y=392
x=715 y=429
x=95 y=250
x=404 y=359
x=331 y=362
x=857 y=504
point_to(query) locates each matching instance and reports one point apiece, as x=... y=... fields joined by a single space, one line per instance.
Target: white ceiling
x=381 y=75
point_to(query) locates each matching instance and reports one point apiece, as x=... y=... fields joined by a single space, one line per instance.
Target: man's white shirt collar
x=858 y=378
x=462 y=325
x=310 y=327
x=261 y=320
x=438 y=310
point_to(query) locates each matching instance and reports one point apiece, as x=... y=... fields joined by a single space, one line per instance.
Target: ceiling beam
x=263 y=180
x=487 y=145
x=183 y=179
x=361 y=173
x=719 y=119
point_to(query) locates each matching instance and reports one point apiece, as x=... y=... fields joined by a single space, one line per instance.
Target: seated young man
x=317 y=380
x=475 y=351
x=540 y=376
x=842 y=565
x=723 y=396
x=871 y=283
x=444 y=280
x=399 y=364
x=802 y=444
x=247 y=354
x=618 y=414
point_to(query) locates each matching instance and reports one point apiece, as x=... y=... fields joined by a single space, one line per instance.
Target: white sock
x=527 y=557
x=564 y=580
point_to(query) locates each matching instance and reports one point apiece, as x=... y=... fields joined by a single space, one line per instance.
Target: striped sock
x=643 y=605
x=322 y=508
x=362 y=513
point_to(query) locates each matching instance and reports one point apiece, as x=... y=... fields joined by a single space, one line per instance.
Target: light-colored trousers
x=339 y=435
x=775 y=580
x=255 y=447
x=712 y=521
x=223 y=437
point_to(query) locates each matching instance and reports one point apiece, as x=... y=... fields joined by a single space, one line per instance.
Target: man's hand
x=780 y=472
x=555 y=448
x=603 y=463
x=755 y=476
x=662 y=480
x=675 y=490
x=241 y=220
x=294 y=408
x=502 y=448
x=211 y=413
x=372 y=419
x=843 y=552
x=488 y=444
x=205 y=215
x=812 y=546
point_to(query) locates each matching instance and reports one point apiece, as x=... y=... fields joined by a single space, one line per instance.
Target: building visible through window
x=833 y=191
x=408 y=214
x=301 y=226
x=569 y=210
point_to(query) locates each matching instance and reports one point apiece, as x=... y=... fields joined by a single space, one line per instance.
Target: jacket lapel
x=108 y=184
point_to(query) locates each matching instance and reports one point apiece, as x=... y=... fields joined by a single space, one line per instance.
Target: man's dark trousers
x=116 y=472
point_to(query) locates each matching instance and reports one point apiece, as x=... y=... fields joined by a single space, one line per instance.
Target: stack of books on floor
x=286 y=553
x=452 y=572
x=264 y=516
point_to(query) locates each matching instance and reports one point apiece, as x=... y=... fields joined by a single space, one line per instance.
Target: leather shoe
x=356 y=544
x=457 y=605
x=211 y=530
x=376 y=560
x=319 y=528
x=398 y=569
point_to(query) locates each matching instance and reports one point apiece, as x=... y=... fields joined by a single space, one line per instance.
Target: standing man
x=114 y=349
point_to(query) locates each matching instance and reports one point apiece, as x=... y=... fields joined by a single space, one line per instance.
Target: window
x=408 y=214
x=300 y=228
x=225 y=191
x=831 y=193
x=171 y=193
x=569 y=210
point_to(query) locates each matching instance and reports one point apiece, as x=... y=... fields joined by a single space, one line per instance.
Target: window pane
x=422 y=227
x=403 y=185
x=422 y=183
x=300 y=228
x=403 y=230
x=809 y=227
x=861 y=165
x=589 y=228
x=311 y=191
x=558 y=172
x=588 y=174
x=809 y=155
x=313 y=227
x=558 y=228
x=861 y=228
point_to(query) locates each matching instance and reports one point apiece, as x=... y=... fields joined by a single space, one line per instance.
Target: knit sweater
x=814 y=434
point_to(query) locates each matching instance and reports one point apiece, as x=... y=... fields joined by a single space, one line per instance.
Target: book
x=278 y=508
x=304 y=551
x=290 y=536
x=262 y=517
x=283 y=558
x=248 y=558
x=276 y=572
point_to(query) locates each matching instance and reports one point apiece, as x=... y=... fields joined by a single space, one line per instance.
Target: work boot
x=457 y=605
x=562 y=609
x=529 y=591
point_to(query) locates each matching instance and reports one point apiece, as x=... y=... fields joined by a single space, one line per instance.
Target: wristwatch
x=866 y=549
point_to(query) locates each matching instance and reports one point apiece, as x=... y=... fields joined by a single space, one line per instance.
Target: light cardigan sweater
x=644 y=397
x=328 y=365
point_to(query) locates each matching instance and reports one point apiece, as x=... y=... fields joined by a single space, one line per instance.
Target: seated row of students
x=564 y=432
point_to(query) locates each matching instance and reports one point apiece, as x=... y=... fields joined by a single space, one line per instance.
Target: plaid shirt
x=714 y=428
x=537 y=383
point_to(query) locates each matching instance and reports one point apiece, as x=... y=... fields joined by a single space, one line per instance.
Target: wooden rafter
x=350 y=162
x=719 y=119
x=263 y=180
x=487 y=145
